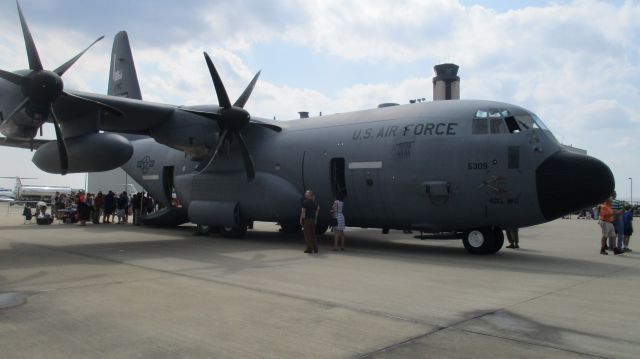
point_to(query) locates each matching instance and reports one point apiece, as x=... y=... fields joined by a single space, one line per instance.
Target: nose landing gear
x=486 y=240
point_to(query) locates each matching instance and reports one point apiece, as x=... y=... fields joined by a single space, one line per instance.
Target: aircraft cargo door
x=364 y=204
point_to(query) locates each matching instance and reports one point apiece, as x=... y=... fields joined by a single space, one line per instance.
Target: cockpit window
x=496 y=120
x=481 y=114
x=490 y=121
x=479 y=126
x=495 y=113
x=497 y=125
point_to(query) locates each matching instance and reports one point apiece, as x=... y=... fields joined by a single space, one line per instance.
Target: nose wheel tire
x=487 y=240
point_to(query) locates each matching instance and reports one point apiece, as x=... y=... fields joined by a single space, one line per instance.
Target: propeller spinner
x=41 y=87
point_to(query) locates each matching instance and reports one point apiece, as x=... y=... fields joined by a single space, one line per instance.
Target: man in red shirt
x=606 y=224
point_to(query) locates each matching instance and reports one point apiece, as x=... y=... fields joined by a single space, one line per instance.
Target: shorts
x=607 y=229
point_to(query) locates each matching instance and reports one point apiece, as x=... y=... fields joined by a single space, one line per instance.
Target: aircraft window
x=494 y=113
x=525 y=122
x=512 y=125
x=481 y=114
x=537 y=121
x=479 y=126
x=497 y=126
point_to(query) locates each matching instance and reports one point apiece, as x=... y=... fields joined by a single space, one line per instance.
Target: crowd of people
x=616 y=224
x=93 y=207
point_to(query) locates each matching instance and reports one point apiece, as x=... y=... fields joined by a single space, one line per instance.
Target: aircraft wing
x=115 y=114
x=33 y=144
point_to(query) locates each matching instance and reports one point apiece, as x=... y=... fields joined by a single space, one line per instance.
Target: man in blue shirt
x=628 y=227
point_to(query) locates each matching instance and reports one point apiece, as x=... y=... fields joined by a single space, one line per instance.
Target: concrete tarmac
x=119 y=291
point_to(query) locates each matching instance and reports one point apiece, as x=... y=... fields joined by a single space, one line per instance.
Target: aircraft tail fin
x=123 y=79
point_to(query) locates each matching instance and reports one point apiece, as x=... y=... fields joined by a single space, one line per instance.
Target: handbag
x=334 y=222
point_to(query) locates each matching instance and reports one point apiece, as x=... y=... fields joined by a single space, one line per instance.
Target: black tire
x=499 y=240
x=233 y=232
x=479 y=240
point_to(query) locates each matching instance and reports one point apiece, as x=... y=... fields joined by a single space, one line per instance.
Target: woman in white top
x=338 y=227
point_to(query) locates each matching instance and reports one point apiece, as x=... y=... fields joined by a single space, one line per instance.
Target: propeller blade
x=246 y=157
x=11 y=77
x=20 y=106
x=223 y=98
x=64 y=67
x=242 y=100
x=62 y=148
x=270 y=126
x=32 y=52
x=215 y=152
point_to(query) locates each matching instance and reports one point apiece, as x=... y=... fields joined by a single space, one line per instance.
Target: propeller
x=231 y=119
x=41 y=88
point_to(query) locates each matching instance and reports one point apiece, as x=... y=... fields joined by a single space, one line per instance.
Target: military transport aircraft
x=466 y=167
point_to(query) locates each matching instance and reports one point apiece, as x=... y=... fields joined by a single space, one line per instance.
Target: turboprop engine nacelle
x=94 y=152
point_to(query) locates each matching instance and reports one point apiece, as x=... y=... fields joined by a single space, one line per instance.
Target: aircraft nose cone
x=567 y=182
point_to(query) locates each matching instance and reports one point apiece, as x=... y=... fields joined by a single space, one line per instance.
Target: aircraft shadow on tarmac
x=213 y=251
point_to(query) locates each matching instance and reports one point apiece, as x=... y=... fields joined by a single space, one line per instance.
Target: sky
x=574 y=63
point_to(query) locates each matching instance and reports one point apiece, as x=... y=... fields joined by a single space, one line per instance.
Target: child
x=26 y=212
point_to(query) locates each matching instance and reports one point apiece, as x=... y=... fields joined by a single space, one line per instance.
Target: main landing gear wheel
x=487 y=240
x=233 y=232
x=499 y=235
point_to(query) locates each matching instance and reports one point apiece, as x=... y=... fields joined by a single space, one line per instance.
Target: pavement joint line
x=531 y=343
x=398 y=344
x=452 y=327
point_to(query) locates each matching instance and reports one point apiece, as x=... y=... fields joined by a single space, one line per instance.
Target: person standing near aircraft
x=606 y=224
x=122 y=204
x=308 y=216
x=137 y=207
x=98 y=202
x=83 y=208
x=513 y=237
x=618 y=222
x=628 y=227
x=339 y=224
x=109 y=201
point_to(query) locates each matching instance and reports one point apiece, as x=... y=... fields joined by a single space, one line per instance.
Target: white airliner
x=30 y=193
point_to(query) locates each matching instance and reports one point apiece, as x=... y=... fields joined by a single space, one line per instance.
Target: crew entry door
x=364 y=203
